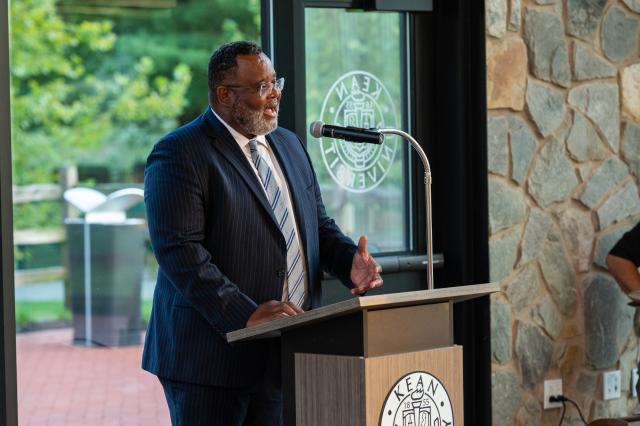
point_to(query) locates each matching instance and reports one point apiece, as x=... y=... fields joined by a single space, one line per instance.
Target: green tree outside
x=66 y=109
x=187 y=34
x=96 y=88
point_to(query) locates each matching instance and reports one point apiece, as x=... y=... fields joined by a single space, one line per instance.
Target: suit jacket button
x=281 y=273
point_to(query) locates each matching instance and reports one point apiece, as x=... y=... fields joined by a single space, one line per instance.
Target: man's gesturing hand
x=365 y=271
x=271 y=310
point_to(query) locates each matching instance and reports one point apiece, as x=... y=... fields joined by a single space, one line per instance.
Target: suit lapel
x=228 y=148
x=296 y=186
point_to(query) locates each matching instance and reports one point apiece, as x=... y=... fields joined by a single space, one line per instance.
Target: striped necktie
x=295 y=270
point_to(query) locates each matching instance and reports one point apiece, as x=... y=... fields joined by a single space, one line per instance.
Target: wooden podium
x=376 y=360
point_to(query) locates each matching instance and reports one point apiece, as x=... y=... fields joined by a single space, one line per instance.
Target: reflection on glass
x=354 y=78
x=93 y=86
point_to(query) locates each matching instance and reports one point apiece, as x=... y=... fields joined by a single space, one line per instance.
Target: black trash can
x=112 y=285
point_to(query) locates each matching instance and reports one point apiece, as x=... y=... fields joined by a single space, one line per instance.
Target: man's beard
x=252 y=121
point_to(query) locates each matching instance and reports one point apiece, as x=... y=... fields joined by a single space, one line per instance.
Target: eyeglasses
x=264 y=88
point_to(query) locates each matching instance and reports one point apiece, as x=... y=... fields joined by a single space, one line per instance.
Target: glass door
x=348 y=66
x=355 y=77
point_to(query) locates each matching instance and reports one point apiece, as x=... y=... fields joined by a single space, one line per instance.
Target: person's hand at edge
x=365 y=271
x=272 y=310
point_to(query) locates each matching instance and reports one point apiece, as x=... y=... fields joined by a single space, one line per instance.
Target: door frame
x=8 y=389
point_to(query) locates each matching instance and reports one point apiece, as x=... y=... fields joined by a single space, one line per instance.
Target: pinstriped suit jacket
x=220 y=251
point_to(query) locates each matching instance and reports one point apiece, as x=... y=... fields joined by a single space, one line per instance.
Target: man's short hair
x=223 y=61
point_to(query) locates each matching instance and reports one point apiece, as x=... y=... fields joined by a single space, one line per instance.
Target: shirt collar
x=241 y=139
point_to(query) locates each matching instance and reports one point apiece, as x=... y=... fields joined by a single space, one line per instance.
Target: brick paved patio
x=63 y=384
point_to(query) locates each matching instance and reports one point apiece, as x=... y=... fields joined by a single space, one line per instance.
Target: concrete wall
x=563 y=96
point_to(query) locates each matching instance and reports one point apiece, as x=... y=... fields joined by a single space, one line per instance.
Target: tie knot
x=253 y=145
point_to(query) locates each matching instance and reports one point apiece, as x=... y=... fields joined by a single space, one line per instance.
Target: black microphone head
x=316 y=129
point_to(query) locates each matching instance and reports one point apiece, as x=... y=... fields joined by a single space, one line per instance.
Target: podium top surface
x=382 y=301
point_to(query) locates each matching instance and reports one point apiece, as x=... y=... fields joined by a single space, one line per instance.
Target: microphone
x=352 y=134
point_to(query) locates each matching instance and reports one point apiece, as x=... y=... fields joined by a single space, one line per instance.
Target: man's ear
x=224 y=96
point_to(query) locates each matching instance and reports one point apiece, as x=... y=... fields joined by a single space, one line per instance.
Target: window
x=364 y=186
x=94 y=86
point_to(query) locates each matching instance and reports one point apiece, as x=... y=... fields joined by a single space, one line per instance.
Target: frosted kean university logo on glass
x=417 y=399
x=358 y=99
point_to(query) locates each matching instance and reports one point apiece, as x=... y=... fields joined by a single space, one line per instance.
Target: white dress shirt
x=264 y=148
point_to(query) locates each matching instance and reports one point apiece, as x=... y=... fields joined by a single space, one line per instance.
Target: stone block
x=502 y=254
x=552 y=178
x=496 y=17
x=633 y=5
x=506 y=206
x=530 y=414
x=583 y=17
x=503 y=409
x=514 y=17
x=583 y=141
x=559 y=275
x=588 y=65
x=605 y=178
x=545 y=315
x=546 y=106
x=548 y=55
x=607 y=321
x=619 y=34
x=579 y=234
x=498 y=145
x=535 y=234
x=584 y=170
x=600 y=102
x=501 y=338
x=619 y=206
x=631 y=148
x=523 y=146
x=631 y=91
x=506 y=73
x=523 y=289
x=533 y=351
x=586 y=383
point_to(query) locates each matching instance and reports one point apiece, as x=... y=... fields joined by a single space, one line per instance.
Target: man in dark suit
x=241 y=236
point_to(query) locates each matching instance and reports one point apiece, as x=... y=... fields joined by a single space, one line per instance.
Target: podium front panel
x=416 y=388
x=424 y=387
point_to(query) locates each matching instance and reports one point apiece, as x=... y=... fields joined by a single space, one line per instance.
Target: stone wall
x=563 y=95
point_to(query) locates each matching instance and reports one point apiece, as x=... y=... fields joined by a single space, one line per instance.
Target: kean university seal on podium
x=358 y=99
x=417 y=399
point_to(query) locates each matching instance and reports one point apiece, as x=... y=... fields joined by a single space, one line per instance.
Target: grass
x=145 y=312
x=54 y=310
x=41 y=311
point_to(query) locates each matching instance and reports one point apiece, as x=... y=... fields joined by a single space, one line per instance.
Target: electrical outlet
x=552 y=388
x=634 y=382
x=611 y=385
